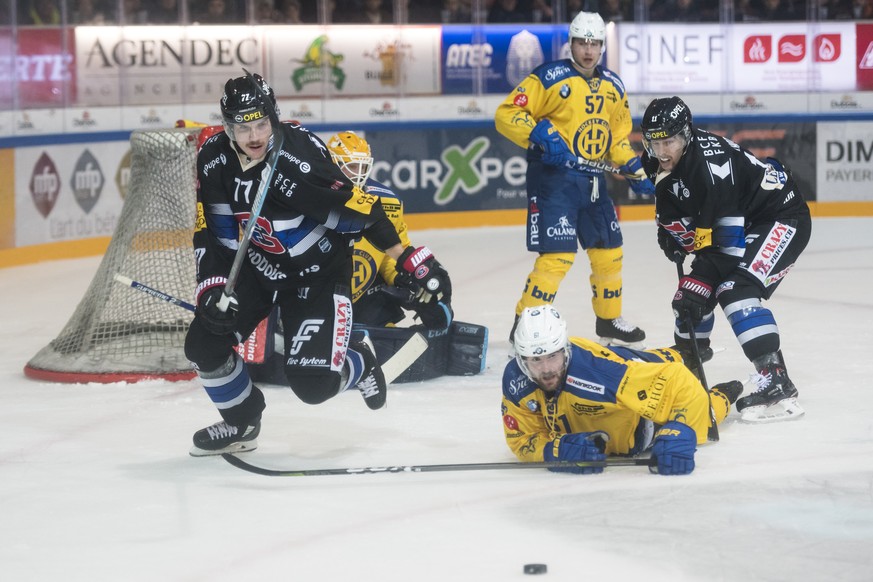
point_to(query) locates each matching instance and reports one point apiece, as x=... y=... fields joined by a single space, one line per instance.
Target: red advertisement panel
x=41 y=68
x=864 y=40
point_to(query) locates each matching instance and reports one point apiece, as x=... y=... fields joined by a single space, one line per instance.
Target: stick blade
x=404 y=357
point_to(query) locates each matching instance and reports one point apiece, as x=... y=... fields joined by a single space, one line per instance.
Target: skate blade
x=787 y=409
x=242 y=447
x=611 y=341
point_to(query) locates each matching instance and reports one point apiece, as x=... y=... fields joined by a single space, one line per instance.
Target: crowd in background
x=96 y=12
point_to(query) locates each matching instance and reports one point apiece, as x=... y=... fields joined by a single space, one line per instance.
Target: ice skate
x=225 y=438
x=372 y=384
x=775 y=397
x=619 y=332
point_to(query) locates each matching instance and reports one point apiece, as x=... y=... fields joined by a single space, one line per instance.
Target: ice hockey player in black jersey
x=299 y=258
x=387 y=298
x=746 y=222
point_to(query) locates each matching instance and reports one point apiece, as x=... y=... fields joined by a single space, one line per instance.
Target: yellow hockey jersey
x=372 y=266
x=592 y=115
x=606 y=389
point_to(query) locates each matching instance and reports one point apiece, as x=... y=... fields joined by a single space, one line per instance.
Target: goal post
x=118 y=333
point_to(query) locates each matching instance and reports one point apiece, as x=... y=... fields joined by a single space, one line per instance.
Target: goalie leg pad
x=468 y=346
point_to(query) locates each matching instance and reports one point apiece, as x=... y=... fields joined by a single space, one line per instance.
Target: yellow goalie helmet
x=352 y=154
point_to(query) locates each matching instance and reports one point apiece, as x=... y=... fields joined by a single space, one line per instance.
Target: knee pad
x=206 y=350
x=313 y=386
x=543 y=282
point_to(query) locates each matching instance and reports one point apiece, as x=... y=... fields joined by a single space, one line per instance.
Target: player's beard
x=550 y=381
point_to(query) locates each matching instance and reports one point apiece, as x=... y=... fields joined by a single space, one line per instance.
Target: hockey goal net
x=118 y=333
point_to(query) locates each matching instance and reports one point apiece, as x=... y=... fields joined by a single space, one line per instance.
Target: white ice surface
x=96 y=483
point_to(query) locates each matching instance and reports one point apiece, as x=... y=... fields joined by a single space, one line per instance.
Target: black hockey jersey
x=714 y=194
x=310 y=216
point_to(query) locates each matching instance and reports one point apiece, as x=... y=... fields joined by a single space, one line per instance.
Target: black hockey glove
x=673 y=449
x=213 y=318
x=577 y=446
x=421 y=273
x=671 y=248
x=692 y=299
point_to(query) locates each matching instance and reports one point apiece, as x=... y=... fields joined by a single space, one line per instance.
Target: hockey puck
x=535 y=569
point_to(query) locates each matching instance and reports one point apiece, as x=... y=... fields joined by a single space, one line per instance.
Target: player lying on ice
x=385 y=294
x=571 y=399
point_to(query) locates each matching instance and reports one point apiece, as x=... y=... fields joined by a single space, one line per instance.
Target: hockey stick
x=404 y=357
x=396 y=364
x=600 y=166
x=278 y=140
x=614 y=462
x=153 y=292
x=712 y=433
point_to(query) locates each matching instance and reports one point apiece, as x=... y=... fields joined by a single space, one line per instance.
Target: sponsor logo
x=45 y=185
x=319 y=65
x=391 y=56
x=87 y=181
x=757 y=49
x=562 y=230
x=588 y=409
x=263 y=265
x=585 y=385
x=246 y=117
x=849 y=151
x=306 y=362
x=523 y=55
x=84 y=121
x=469 y=55
x=844 y=103
x=386 y=111
x=510 y=422
x=791 y=48
x=747 y=104
x=342 y=321
x=826 y=48
x=213 y=163
x=307 y=329
x=472 y=108
x=866 y=61
x=304 y=166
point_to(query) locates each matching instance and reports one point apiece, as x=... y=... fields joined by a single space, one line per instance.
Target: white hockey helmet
x=588 y=26
x=352 y=154
x=539 y=333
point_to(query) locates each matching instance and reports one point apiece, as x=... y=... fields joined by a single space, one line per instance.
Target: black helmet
x=665 y=118
x=242 y=102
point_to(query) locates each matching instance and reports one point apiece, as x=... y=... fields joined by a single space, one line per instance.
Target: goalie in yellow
x=571 y=399
x=572 y=115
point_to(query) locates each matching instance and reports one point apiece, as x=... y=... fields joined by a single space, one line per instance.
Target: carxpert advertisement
x=456 y=169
